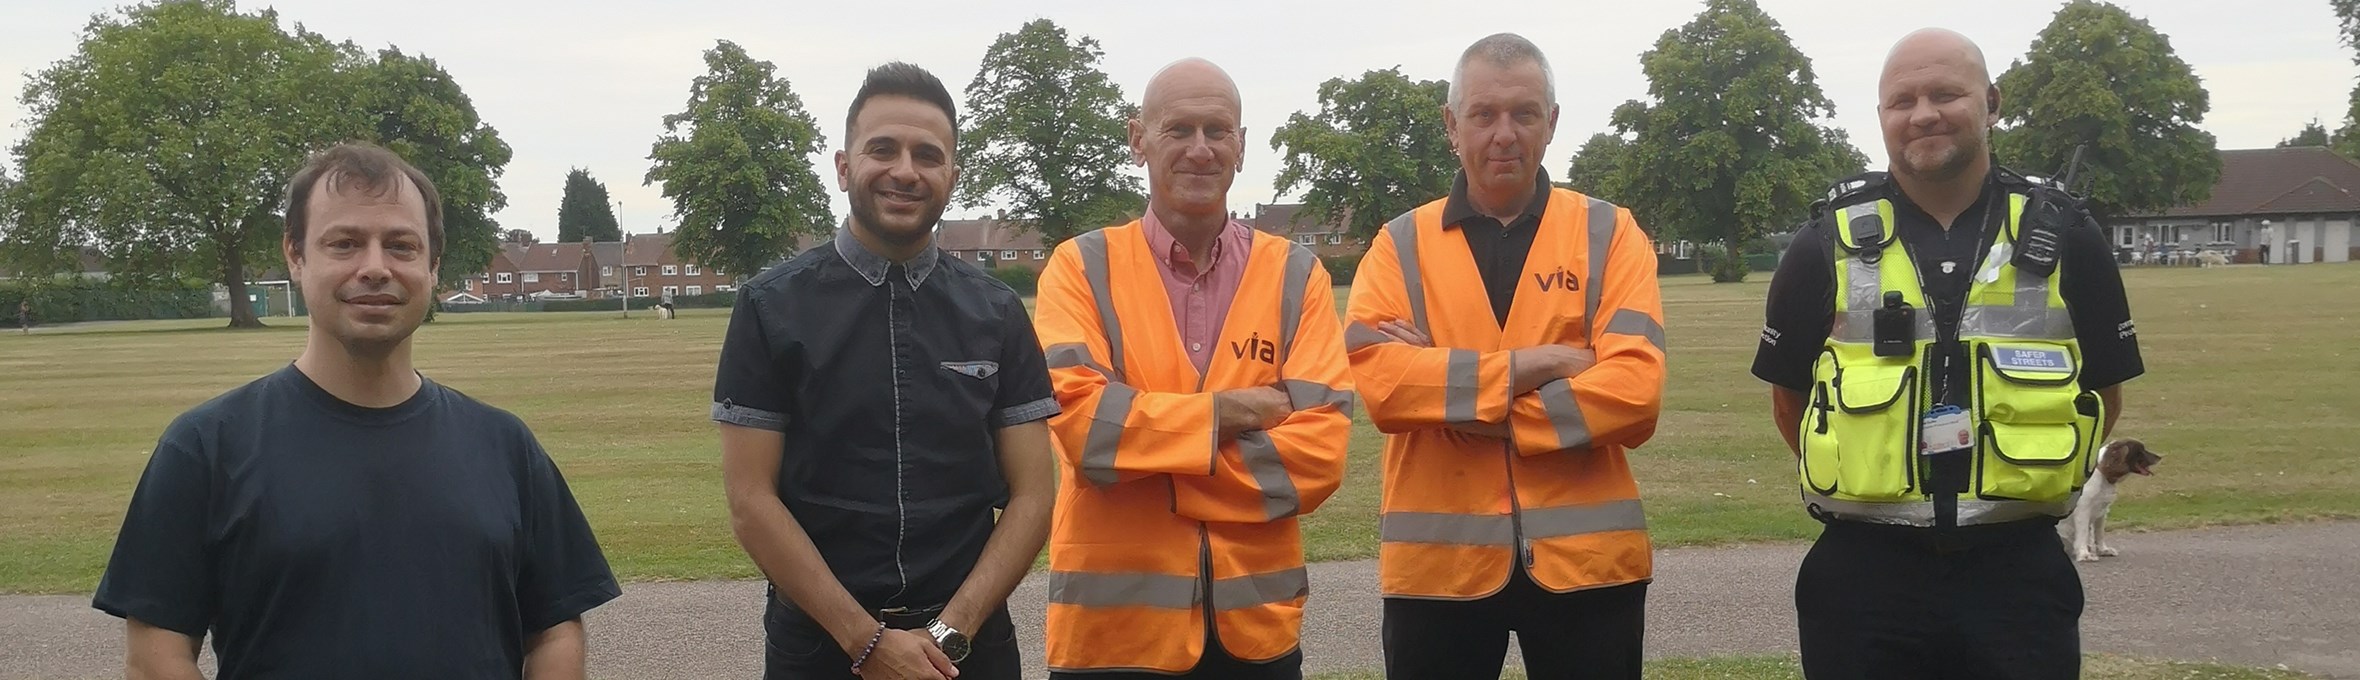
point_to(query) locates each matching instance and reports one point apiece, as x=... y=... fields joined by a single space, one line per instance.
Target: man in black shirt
x=878 y=400
x=1959 y=596
x=344 y=516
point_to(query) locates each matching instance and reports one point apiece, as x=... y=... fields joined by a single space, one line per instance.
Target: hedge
x=1025 y=281
x=73 y=300
x=1341 y=267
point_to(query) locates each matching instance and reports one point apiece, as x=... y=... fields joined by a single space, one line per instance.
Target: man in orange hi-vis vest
x=1201 y=369
x=1508 y=340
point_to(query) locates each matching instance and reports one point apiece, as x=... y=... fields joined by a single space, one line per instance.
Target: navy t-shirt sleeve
x=1798 y=313
x=750 y=388
x=161 y=572
x=1024 y=394
x=565 y=573
x=2092 y=287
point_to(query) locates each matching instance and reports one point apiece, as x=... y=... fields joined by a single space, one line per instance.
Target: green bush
x=1341 y=267
x=74 y=299
x=1024 y=281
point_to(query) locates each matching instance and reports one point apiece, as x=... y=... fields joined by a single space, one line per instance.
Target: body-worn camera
x=1896 y=327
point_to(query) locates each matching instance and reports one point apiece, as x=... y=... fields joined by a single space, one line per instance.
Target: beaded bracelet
x=864 y=652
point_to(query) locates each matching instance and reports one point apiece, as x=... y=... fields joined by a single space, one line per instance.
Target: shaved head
x=1938 y=46
x=1190 y=77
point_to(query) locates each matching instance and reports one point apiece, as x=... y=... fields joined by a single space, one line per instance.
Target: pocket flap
x=2037 y=445
x=2031 y=364
x=1872 y=388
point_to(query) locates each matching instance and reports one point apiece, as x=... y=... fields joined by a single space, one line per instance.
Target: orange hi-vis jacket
x=1556 y=498
x=1157 y=520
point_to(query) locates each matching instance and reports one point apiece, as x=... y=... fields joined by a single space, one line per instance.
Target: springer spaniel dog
x=2085 y=530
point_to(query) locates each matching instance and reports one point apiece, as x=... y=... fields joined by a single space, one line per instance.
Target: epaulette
x=1847 y=191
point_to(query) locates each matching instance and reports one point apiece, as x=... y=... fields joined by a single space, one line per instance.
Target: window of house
x=506 y=277
x=722 y=289
x=606 y=271
x=692 y=271
x=671 y=270
x=696 y=290
x=1307 y=239
x=2224 y=231
x=1007 y=254
x=640 y=291
x=1037 y=254
x=671 y=291
x=1335 y=239
x=532 y=277
x=2125 y=237
x=638 y=271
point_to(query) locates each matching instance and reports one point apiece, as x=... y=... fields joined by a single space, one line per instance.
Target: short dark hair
x=902 y=79
x=366 y=167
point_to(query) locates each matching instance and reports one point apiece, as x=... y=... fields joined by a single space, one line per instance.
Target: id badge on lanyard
x=1945 y=429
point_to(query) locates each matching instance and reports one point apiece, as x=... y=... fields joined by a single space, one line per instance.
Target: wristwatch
x=952 y=642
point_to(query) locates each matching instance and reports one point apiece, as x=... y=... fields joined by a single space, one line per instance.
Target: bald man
x=1946 y=399
x=1206 y=405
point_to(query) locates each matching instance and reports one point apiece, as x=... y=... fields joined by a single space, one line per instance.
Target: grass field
x=2094 y=667
x=2249 y=395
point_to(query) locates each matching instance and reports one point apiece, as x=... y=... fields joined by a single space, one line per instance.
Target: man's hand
x=1539 y=365
x=1251 y=408
x=1406 y=334
x=906 y=655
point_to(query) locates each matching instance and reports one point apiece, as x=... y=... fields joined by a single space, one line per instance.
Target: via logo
x=1559 y=280
x=1254 y=347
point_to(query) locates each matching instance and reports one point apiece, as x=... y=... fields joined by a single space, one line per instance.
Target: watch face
x=954 y=645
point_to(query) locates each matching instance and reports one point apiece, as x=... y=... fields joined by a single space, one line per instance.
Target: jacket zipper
x=1516 y=509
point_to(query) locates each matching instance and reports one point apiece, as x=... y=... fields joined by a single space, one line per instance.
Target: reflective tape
x=1575 y=520
x=1304 y=394
x=1088 y=589
x=1635 y=322
x=1094 y=265
x=1602 y=219
x=1106 y=433
x=1573 y=432
x=1279 y=499
x=1242 y=592
x=1405 y=248
x=1459 y=386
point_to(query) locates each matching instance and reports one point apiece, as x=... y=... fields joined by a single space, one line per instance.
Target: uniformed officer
x=1947 y=342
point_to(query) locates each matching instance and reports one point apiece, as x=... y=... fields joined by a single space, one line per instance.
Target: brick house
x=2307 y=195
x=1289 y=220
x=989 y=243
x=647 y=264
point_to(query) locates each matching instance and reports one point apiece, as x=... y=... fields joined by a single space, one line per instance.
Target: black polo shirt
x=890 y=381
x=1499 y=249
x=1801 y=308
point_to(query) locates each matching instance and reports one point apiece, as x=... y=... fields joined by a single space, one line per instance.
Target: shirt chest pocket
x=964 y=389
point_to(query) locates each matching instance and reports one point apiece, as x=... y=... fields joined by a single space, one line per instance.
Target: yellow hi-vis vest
x=2036 y=432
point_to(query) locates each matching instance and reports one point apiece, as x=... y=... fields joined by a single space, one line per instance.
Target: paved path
x=2258 y=596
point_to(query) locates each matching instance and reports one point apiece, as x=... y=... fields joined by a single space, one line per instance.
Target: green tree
x=1734 y=139
x=2099 y=76
x=168 y=138
x=414 y=108
x=2313 y=134
x=736 y=164
x=586 y=211
x=2347 y=139
x=1376 y=149
x=1046 y=135
x=1597 y=167
x=519 y=237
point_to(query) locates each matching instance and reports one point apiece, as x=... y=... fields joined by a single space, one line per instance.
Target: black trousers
x=1583 y=634
x=1901 y=603
x=799 y=649
x=1217 y=664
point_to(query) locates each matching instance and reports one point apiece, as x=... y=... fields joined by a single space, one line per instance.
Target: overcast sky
x=586 y=83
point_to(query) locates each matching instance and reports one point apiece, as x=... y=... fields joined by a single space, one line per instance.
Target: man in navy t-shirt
x=344 y=516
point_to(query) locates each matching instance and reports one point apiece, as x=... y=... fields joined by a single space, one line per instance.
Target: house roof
x=546 y=257
x=988 y=234
x=2293 y=180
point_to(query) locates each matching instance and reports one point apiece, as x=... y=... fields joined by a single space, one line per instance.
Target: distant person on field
x=24 y=315
x=343 y=516
x=878 y=400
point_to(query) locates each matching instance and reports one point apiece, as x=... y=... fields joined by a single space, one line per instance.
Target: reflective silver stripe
x=1602 y=218
x=1074 y=355
x=1863 y=283
x=1244 y=592
x=1279 y=499
x=1290 y=305
x=1635 y=322
x=1573 y=432
x=1304 y=394
x=1089 y=589
x=1106 y=433
x=1575 y=520
x=1460 y=383
x=1405 y=247
x=1993 y=321
x=1859 y=326
x=1921 y=513
x=1446 y=528
x=1358 y=335
x=1094 y=265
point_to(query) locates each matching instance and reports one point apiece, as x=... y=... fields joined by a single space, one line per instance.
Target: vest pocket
x=2031 y=429
x=1860 y=431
